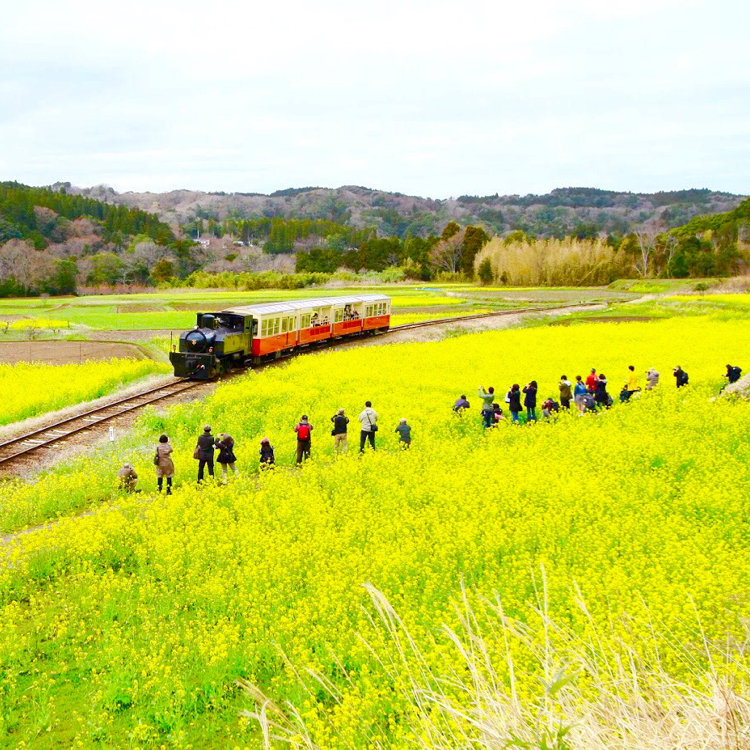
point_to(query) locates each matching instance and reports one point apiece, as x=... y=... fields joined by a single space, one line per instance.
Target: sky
x=434 y=99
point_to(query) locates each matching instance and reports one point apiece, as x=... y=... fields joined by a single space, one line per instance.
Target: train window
x=291 y=325
x=264 y=328
x=284 y=322
x=368 y=311
x=339 y=316
x=255 y=329
x=305 y=321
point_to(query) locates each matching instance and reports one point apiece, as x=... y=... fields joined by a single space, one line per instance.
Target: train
x=246 y=336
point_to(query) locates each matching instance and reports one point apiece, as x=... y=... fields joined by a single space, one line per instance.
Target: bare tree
x=670 y=245
x=27 y=266
x=446 y=255
x=646 y=244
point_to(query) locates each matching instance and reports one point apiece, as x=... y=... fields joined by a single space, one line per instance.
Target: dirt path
x=500 y=322
x=64 y=352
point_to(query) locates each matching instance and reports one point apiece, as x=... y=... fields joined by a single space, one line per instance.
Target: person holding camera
x=368 y=420
x=340 y=422
x=529 y=400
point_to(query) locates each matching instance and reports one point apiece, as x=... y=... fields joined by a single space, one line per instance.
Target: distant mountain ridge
x=584 y=212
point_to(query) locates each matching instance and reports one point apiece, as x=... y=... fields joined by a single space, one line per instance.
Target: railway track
x=11 y=451
x=16 y=449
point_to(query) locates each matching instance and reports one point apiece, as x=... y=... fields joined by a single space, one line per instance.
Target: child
x=497 y=413
x=404 y=433
x=267 y=459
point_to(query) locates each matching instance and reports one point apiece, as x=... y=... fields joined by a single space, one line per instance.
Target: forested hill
x=53 y=241
x=582 y=212
x=43 y=216
x=62 y=239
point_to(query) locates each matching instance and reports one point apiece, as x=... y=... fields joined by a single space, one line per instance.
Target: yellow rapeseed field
x=31 y=388
x=132 y=625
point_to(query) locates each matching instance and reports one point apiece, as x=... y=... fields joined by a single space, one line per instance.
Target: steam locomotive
x=246 y=336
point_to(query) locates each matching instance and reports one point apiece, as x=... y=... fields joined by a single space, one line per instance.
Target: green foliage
x=64 y=279
x=320 y=259
x=17 y=204
x=449 y=230
x=106 y=268
x=283 y=235
x=475 y=239
x=164 y=270
x=710 y=245
x=9 y=231
x=484 y=272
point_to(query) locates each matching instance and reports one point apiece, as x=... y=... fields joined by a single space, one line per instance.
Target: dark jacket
x=514 y=403
x=206 y=444
x=529 y=400
x=226 y=450
x=404 y=432
x=681 y=377
x=601 y=396
x=266 y=454
x=339 y=424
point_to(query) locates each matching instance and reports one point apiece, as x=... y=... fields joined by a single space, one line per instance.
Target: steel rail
x=89 y=418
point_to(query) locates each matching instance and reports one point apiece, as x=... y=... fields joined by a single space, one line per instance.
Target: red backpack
x=303 y=431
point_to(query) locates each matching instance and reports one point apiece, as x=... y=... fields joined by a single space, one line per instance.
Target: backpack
x=303 y=432
x=735 y=373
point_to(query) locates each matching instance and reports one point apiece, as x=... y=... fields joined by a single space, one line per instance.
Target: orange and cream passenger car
x=241 y=336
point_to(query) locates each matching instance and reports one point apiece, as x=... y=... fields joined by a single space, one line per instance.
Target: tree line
x=717 y=245
x=52 y=242
x=55 y=242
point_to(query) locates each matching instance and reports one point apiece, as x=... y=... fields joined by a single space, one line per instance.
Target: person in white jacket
x=368 y=420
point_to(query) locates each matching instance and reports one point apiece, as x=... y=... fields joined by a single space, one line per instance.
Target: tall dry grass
x=594 y=691
x=551 y=262
x=734 y=284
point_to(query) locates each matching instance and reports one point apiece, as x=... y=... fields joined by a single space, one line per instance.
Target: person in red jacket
x=303 y=430
x=591 y=381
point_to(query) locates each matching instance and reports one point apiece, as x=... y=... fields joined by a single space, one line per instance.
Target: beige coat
x=165 y=467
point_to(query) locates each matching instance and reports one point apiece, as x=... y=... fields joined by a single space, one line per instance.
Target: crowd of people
x=589 y=395
x=207 y=445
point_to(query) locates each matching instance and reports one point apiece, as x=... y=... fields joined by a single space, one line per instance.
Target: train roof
x=272 y=308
